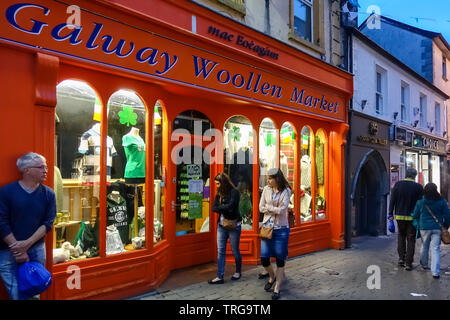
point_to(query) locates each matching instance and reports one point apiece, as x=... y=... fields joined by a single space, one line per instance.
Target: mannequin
x=134 y=147
x=90 y=146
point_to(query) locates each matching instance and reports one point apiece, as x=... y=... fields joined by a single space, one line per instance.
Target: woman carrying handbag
x=226 y=204
x=430 y=213
x=274 y=243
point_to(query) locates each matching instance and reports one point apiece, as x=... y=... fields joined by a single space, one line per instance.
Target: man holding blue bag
x=404 y=196
x=27 y=212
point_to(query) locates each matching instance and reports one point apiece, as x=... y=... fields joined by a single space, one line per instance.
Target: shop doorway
x=369 y=194
x=190 y=200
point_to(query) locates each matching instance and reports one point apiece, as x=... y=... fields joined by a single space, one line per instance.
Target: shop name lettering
x=164 y=61
x=373 y=140
x=241 y=41
x=253 y=82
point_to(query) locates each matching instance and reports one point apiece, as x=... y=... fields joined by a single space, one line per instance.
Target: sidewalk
x=326 y=275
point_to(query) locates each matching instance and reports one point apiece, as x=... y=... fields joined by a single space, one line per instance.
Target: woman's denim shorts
x=276 y=247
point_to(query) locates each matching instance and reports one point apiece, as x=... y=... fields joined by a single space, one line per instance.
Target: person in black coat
x=404 y=196
x=226 y=204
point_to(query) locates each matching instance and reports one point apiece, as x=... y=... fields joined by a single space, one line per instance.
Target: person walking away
x=27 y=212
x=274 y=204
x=404 y=196
x=226 y=204
x=430 y=230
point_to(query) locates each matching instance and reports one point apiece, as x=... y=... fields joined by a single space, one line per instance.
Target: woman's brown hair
x=225 y=184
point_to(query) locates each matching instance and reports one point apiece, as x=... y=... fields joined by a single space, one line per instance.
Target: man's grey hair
x=28 y=160
x=411 y=173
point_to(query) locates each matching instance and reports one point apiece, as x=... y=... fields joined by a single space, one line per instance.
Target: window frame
x=404 y=102
x=317 y=42
x=437 y=117
x=423 y=111
x=444 y=67
x=379 y=97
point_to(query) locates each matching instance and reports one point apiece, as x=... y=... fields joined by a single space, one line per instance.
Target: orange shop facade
x=136 y=112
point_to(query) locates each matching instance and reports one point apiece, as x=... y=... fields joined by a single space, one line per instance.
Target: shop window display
x=238 y=157
x=125 y=196
x=306 y=145
x=77 y=171
x=159 y=180
x=193 y=174
x=287 y=162
x=320 y=157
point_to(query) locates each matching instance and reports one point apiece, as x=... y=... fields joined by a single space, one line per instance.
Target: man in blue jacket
x=27 y=212
x=404 y=196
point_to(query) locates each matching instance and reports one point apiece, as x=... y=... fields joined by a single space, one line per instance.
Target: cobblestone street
x=331 y=275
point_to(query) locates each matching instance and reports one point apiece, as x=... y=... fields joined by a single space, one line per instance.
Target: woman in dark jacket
x=430 y=231
x=226 y=204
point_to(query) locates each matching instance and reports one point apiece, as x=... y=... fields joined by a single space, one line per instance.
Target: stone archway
x=370 y=187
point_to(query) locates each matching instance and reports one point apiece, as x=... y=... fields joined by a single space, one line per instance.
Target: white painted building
x=388 y=90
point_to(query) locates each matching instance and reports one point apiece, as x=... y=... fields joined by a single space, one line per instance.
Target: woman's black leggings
x=266 y=262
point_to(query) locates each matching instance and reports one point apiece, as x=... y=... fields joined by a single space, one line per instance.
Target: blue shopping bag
x=33 y=278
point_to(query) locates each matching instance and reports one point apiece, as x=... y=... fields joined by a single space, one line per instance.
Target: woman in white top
x=274 y=204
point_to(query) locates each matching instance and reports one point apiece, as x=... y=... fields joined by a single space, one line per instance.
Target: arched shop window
x=268 y=156
x=238 y=157
x=193 y=172
x=125 y=164
x=320 y=143
x=159 y=184
x=306 y=183
x=287 y=159
x=77 y=189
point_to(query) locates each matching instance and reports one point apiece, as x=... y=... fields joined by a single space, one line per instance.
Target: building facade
x=137 y=110
x=428 y=54
x=397 y=134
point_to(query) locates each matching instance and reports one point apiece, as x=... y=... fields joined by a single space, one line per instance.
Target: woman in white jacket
x=274 y=204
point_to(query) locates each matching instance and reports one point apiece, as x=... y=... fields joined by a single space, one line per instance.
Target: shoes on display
x=269 y=285
x=216 y=281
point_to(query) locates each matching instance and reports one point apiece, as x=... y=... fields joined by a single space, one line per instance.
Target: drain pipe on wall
x=268 y=17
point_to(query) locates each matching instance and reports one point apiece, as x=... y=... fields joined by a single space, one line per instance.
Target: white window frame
x=437 y=117
x=380 y=91
x=310 y=4
x=444 y=67
x=423 y=111
x=404 y=102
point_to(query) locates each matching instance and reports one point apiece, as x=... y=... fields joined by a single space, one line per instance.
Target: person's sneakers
x=408 y=267
x=436 y=276
x=216 y=281
x=236 y=276
x=401 y=263
x=425 y=267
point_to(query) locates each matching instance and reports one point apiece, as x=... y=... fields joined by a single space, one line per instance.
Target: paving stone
x=335 y=275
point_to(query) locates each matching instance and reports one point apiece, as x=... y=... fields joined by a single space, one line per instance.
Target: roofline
x=423 y=32
x=396 y=61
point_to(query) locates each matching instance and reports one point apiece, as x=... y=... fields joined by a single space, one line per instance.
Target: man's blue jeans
x=222 y=237
x=9 y=266
x=431 y=238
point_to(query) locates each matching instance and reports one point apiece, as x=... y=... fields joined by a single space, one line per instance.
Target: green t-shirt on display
x=134 y=147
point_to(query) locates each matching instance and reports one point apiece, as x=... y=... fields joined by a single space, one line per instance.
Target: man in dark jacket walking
x=404 y=196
